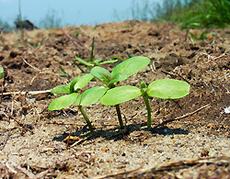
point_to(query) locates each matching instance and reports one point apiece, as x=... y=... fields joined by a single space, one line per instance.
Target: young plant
x=119 y=73
x=92 y=62
x=163 y=89
x=71 y=93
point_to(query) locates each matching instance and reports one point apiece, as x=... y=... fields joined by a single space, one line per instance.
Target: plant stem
x=86 y=118
x=148 y=108
x=119 y=116
x=118 y=110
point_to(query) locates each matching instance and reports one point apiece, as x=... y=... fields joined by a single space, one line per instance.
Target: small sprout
x=87 y=98
x=119 y=73
x=108 y=62
x=94 y=62
x=72 y=91
x=84 y=62
x=2 y=72
x=163 y=89
x=110 y=95
x=74 y=85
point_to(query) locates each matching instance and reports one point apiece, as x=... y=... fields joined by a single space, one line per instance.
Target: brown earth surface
x=190 y=137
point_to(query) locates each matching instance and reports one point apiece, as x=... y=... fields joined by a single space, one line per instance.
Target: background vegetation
x=197 y=13
x=186 y=13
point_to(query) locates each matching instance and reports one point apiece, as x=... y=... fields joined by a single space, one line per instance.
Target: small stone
x=227 y=110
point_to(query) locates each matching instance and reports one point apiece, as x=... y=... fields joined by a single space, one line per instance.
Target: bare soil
x=190 y=137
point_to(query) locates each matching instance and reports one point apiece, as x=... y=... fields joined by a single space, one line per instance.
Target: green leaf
x=129 y=67
x=2 y=73
x=61 y=89
x=91 y=96
x=63 y=102
x=83 y=81
x=108 y=62
x=84 y=62
x=120 y=95
x=168 y=89
x=101 y=73
x=73 y=82
x=97 y=62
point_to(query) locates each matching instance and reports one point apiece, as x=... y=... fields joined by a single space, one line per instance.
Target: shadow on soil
x=116 y=134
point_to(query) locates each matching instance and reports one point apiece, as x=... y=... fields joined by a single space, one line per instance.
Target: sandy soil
x=189 y=138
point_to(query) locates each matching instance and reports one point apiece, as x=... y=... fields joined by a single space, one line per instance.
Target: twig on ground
x=123 y=174
x=190 y=163
x=12 y=108
x=25 y=92
x=183 y=164
x=32 y=80
x=13 y=168
x=213 y=57
x=35 y=68
x=81 y=141
x=183 y=116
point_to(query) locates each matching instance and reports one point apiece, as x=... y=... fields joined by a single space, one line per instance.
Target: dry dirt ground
x=190 y=137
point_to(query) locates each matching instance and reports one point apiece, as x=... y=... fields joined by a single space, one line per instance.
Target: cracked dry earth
x=190 y=137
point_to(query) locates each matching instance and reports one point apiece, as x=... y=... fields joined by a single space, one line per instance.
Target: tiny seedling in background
x=95 y=62
x=163 y=89
x=119 y=73
x=2 y=72
x=71 y=93
x=92 y=61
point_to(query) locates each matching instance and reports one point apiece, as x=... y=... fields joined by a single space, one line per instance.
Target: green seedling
x=163 y=89
x=95 y=62
x=120 y=73
x=71 y=95
x=2 y=72
x=92 y=62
